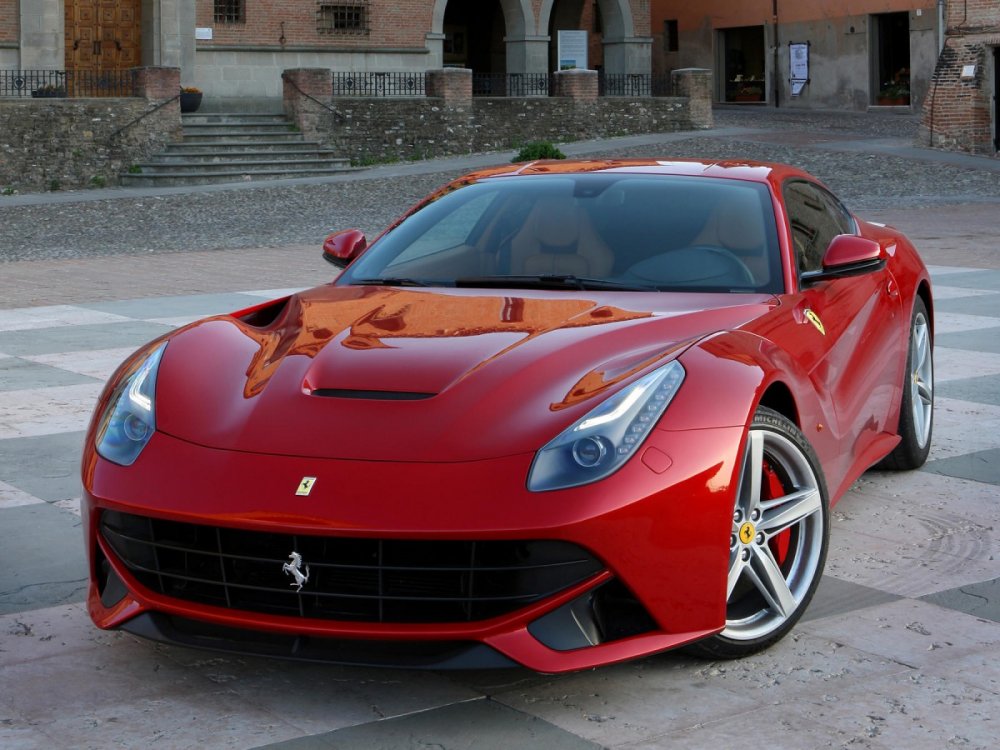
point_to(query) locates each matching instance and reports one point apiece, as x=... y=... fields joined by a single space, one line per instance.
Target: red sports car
x=559 y=415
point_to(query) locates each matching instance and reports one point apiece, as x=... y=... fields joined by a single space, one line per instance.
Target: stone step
x=240 y=167
x=209 y=155
x=242 y=128
x=204 y=178
x=237 y=147
x=243 y=137
x=217 y=118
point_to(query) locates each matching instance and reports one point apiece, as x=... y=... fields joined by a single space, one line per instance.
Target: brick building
x=853 y=54
x=235 y=50
x=961 y=111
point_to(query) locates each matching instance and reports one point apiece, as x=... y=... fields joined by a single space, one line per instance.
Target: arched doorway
x=614 y=45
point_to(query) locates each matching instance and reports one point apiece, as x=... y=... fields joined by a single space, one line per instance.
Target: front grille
x=363 y=580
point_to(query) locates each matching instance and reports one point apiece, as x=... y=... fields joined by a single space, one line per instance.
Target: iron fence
x=379 y=84
x=511 y=84
x=59 y=84
x=624 y=84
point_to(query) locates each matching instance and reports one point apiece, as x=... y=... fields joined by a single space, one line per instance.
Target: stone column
x=696 y=85
x=306 y=94
x=43 y=29
x=631 y=54
x=580 y=85
x=528 y=54
x=453 y=85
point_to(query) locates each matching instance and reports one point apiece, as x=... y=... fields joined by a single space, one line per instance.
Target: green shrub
x=98 y=181
x=538 y=150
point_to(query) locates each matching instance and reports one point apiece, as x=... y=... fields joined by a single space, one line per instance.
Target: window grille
x=230 y=11
x=349 y=18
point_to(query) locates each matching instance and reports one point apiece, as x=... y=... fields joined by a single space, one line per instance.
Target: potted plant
x=894 y=94
x=190 y=99
x=749 y=92
x=49 y=91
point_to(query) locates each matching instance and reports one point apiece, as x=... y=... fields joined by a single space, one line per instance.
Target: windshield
x=585 y=231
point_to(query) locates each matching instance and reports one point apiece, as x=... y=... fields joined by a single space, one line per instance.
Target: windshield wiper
x=393 y=281
x=551 y=281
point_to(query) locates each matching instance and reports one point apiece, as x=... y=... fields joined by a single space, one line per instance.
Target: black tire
x=776 y=555
x=916 y=411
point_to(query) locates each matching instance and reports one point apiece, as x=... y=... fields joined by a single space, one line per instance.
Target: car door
x=856 y=333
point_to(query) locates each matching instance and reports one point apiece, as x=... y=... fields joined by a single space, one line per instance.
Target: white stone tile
x=962 y=427
x=949 y=322
x=957 y=364
x=29 y=318
x=11 y=497
x=936 y=271
x=96 y=363
x=273 y=293
x=176 y=321
x=954 y=292
x=46 y=411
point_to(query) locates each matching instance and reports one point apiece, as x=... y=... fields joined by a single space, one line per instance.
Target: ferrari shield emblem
x=747 y=532
x=814 y=319
x=305 y=486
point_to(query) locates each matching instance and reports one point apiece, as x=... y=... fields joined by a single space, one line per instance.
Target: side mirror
x=848 y=255
x=343 y=247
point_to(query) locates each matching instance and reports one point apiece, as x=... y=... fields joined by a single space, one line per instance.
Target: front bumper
x=658 y=528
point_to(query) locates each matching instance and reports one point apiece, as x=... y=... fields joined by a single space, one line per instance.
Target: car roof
x=736 y=169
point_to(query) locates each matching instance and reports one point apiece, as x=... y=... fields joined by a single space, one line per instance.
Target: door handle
x=892 y=288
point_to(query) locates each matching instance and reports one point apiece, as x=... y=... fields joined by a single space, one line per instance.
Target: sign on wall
x=572 y=49
x=798 y=64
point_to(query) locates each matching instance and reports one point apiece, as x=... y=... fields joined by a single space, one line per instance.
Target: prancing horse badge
x=305 y=486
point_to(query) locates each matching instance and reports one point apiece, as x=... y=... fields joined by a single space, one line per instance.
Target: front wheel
x=779 y=538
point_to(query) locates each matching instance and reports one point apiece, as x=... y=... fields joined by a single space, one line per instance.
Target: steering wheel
x=696 y=266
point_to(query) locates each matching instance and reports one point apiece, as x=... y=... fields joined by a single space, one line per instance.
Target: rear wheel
x=916 y=411
x=779 y=538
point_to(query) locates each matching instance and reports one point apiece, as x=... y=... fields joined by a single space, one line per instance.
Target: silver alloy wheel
x=763 y=590
x=921 y=380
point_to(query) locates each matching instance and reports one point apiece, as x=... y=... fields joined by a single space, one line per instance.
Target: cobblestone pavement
x=897 y=650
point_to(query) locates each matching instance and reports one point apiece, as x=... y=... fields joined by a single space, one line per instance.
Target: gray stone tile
x=42 y=559
x=19 y=374
x=983 y=390
x=981 y=466
x=480 y=724
x=979 y=599
x=200 y=305
x=79 y=338
x=46 y=466
x=987 y=305
x=835 y=597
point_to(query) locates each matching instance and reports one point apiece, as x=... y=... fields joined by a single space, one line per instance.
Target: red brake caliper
x=773 y=488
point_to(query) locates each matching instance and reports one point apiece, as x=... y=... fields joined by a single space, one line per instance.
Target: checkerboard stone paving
x=921 y=544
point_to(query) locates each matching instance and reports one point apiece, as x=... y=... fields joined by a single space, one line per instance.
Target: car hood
x=389 y=374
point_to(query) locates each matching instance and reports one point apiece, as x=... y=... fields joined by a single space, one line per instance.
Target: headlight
x=601 y=441
x=129 y=419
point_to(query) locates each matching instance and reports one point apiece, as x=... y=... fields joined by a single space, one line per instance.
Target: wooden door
x=102 y=36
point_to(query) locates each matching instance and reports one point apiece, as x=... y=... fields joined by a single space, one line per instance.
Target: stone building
x=961 y=111
x=235 y=50
x=849 y=54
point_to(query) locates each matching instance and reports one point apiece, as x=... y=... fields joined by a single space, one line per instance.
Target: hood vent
x=371 y=395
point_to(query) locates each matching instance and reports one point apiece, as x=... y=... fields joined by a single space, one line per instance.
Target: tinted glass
x=816 y=217
x=636 y=231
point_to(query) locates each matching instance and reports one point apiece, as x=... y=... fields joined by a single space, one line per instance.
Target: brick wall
x=50 y=144
x=10 y=28
x=957 y=112
x=400 y=23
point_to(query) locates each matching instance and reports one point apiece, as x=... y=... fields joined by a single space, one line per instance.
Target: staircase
x=235 y=148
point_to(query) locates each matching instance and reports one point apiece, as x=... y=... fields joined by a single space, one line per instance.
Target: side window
x=816 y=217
